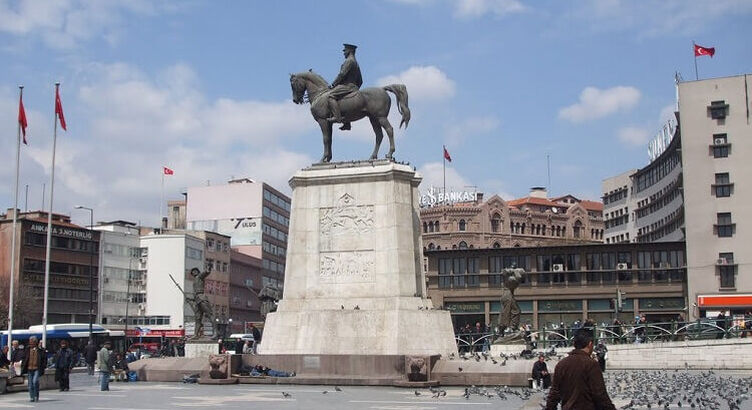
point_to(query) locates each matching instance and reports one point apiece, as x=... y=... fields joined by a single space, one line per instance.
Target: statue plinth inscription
x=346 y=242
x=353 y=269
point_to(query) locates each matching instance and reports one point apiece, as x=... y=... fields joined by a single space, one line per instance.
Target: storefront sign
x=62 y=231
x=155 y=333
x=742 y=300
x=559 y=305
x=478 y=307
x=435 y=196
x=58 y=280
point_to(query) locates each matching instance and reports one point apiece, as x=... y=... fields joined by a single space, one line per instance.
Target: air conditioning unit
x=719 y=141
x=721 y=261
x=622 y=266
x=141 y=306
x=142 y=260
x=558 y=267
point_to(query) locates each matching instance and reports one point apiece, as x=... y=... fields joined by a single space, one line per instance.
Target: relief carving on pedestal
x=346 y=218
x=346 y=267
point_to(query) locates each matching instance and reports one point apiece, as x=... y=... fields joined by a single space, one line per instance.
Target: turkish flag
x=704 y=51
x=22 y=118
x=59 y=109
x=447 y=156
x=167 y=171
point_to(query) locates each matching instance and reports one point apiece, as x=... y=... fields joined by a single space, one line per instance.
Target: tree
x=24 y=302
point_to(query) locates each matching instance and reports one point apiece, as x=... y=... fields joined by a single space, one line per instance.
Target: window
x=727 y=271
x=462 y=245
x=462 y=225
x=495 y=223
x=724 y=228
x=473 y=265
x=425 y=227
x=445 y=268
x=723 y=185
x=577 y=228
x=720 y=146
x=718 y=110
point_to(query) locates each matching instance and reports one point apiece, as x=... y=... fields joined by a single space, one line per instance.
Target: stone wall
x=696 y=354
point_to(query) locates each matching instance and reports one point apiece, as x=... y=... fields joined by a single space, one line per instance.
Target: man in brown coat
x=578 y=381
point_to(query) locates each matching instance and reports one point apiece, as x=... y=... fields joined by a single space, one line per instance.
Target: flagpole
x=161 y=202
x=443 y=156
x=49 y=231
x=15 y=222
x=694 y=52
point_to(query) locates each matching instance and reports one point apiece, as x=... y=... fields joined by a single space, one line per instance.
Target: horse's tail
x=400 y=91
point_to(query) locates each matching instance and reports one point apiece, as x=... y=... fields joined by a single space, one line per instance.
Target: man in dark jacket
x=63 y=365
x=540 y=372
x=33 y=364
x=90 y=354
x=578 y=381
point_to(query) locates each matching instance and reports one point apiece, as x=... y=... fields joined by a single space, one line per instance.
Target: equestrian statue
x=342 y=101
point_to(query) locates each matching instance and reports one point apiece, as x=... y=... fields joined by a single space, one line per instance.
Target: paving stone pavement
x=85 y=394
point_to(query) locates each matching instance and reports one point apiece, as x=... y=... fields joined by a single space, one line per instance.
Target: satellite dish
x=554 y=209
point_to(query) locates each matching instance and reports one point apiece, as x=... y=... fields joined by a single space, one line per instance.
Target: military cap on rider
x=350 y=47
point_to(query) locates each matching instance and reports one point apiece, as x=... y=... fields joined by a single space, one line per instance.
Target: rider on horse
x=348 y=81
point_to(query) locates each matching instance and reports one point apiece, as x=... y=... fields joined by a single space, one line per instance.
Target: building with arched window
x=535 y=220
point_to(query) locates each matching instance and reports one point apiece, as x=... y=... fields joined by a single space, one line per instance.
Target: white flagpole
x=161 y=202
x=15 y=222
x=49 y=233
x=443 y=157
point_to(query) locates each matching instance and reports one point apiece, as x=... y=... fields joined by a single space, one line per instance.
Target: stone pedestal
x=201 y=349
x=353 y=281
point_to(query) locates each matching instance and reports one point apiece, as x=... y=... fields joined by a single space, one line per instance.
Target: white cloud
x=653 y=18
x=459 y=131
x=137 y=123
x=667 y=113
x=477 y=8
x=65 y=24
x=596 y=103
x=433 y=175
x=424 y=83
x=634 y=136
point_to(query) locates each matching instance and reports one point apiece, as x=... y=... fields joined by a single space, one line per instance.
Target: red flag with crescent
x=704 y=51
x=447 y=156
x=59 y=109
x=22 y=119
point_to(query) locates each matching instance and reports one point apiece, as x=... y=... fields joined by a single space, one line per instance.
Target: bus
x=77 y=335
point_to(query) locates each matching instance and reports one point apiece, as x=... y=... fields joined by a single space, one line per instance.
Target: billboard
x=242 y=231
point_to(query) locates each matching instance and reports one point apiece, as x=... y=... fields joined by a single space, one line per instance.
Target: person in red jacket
x=578 y=381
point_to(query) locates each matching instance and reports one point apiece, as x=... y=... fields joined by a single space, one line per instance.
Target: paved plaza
x=85 y=394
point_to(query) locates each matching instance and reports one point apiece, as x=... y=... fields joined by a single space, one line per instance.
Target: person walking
x=600 y=353
x=103 y=365
x=90 y=355
x=4 y=361
x=578 y=381
x=256 y=338
x=33 y=364
x=63 y=364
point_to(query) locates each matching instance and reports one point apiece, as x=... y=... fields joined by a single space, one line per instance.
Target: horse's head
x=298 y=88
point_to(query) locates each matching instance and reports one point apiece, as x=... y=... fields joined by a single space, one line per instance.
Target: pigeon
x=336 y=388
x=324 y=392
x=286 y=394
x=356 y=307
x=342 y=307
x=459 y=368
x=417 y=393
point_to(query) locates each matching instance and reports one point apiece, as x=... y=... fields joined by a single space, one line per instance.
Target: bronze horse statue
x=372 y=102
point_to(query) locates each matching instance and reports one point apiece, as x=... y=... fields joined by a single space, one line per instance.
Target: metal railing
x=705 y=329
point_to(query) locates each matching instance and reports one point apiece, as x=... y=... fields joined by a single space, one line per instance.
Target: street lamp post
x=91 y=270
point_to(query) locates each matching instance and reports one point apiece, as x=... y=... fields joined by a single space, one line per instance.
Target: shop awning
x=743 y=300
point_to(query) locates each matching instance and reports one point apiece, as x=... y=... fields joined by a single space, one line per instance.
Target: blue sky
x=203 y=87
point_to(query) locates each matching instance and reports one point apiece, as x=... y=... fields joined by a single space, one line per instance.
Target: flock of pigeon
x=503 y=358
x=675 y=389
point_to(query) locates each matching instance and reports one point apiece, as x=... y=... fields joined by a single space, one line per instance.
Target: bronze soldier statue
x=198 y=302
x=348 y=80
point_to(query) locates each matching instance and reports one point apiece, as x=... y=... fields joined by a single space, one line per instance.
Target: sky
x=202 y=87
